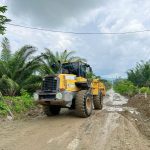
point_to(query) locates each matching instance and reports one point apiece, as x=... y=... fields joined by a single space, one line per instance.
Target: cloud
x=49 y=13
x=121 y=52
x=109 y=55
x=55 y=41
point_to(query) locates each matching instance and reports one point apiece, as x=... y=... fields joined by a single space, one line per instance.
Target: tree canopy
x=140 y=75
x=3 y=19
x=17 y=70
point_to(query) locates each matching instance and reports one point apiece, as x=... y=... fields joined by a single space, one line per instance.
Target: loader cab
x=79 y=69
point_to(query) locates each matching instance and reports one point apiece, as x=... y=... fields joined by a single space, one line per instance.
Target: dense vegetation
x=138 y=80
x=125 y=87
x=18 y=70
x=140 y=75
x=15 y=105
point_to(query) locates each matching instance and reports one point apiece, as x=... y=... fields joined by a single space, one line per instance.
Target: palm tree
x=140 y=75
x=50 y=58
x=18 y=70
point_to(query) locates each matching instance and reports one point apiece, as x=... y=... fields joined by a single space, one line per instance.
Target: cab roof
x=75 y=62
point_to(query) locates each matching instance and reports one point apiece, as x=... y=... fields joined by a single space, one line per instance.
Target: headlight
x=36 y=96
x=59 y=95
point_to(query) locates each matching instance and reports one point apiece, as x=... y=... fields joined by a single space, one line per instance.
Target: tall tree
x=140 y=75
x=3 y=19
x=18 y=70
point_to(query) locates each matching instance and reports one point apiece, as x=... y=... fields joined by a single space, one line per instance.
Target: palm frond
x=6 y=52
x=8 y=86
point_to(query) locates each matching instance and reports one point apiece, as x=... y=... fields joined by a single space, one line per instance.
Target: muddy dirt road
x=104 y=130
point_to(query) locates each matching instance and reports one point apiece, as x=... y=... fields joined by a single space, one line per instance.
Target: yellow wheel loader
x=71 y=88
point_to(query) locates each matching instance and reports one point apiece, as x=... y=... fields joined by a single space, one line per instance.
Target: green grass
x=145 y=90
x=125 y=87
x=16 y=104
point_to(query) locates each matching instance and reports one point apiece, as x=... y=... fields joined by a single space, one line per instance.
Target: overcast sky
x=109 y=55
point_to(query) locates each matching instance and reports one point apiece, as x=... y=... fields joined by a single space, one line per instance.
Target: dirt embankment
x=141 y=103
x=140 y=114
x=105 y=129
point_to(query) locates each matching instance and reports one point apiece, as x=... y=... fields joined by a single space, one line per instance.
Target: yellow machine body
x=68 y=83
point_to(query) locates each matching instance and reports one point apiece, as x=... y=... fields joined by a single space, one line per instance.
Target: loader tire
x=97 y=100
x=52 y=110
x=83 y=104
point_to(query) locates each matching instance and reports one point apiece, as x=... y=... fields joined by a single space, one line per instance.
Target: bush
x=3 y=108
x=125 y=87
x=27 y=99
x=145 y=90
x=16 y=104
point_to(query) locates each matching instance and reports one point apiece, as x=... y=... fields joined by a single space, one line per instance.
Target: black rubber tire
x=81 y=107
x=97 y=101
x=51 y=110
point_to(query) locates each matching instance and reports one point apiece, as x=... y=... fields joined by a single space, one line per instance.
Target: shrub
x=27 y=99
x=125 y=87
x=3 y=108
x=16 y=104
x=145 y=90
